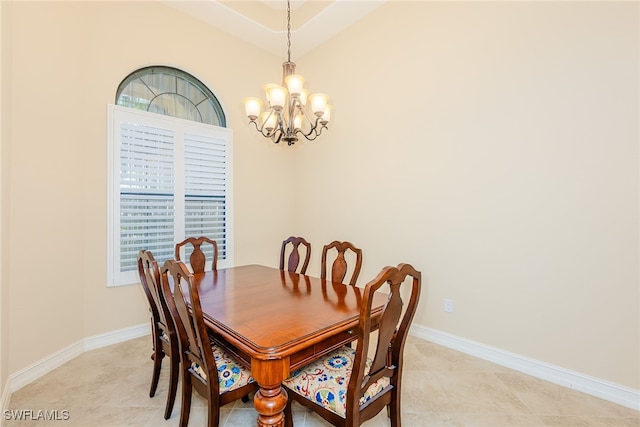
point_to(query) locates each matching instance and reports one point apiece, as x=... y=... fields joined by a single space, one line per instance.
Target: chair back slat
x=151 y=282
x=169 y=299
x=388 y=324
x=293 y=262
x=189 y=342
x=339 y=267
x=149 y=278
x=198 y=259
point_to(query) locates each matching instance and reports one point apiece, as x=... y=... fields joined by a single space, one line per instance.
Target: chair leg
x=174 y=370
x=394 y=409
x=288 y=417
x=185 y=407
x=157 y=356
x=213 y=417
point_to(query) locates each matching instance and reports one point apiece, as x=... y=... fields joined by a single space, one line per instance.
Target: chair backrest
x=192 y=332
x=198 y=259
x=339 y=266
x=150 y=279
x=294 y=257
x=392 y=333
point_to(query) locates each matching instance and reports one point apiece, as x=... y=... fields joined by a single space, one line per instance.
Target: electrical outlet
x=448 y=305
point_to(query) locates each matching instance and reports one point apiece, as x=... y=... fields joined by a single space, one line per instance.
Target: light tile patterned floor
x=109 y=387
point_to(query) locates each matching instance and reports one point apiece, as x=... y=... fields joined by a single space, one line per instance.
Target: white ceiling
x=263 y=22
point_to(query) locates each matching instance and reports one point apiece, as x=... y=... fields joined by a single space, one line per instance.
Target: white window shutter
x=169 y=178
x=206 y=189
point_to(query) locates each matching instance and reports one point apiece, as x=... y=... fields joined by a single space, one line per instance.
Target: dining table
x=274 y=321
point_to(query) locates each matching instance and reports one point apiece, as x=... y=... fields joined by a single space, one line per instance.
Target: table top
x=272 y=313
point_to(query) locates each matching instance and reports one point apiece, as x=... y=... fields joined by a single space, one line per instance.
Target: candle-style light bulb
x=295 y=83
x=318 y=103
x=252 y=107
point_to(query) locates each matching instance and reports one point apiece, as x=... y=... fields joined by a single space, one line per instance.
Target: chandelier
x=287 y=115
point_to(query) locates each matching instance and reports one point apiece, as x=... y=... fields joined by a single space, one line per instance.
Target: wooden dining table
x=275 y=321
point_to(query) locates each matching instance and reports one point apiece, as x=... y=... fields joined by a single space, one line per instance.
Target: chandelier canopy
x=290 y=111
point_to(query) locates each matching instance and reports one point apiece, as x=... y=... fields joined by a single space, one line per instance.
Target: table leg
x=271 y=399
x=270 y=404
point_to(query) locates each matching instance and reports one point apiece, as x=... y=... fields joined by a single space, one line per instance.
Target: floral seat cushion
x=231 y=374
x=325 y=381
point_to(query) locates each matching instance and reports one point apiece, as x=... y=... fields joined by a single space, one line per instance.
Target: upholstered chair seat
x=231 y=374
x=325 y=381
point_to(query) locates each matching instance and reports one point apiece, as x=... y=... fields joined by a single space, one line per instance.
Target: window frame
x=115 y=115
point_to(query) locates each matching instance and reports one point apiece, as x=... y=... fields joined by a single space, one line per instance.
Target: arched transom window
x=172 y=92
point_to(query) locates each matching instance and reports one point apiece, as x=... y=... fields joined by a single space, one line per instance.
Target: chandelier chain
x=288 y=31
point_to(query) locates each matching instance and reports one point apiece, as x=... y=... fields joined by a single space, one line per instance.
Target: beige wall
x=503 y=163
x=4 y=288
x=66 y=63
x=494 y=145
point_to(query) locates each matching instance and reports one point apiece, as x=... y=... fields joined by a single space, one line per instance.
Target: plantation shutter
x=206 y=189
x=147 y=188
x=170 y=178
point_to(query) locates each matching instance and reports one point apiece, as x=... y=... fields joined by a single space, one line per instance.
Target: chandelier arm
x=314 y=128
x=262 y=130
x=315 y=134
x=312 y=120
x=279 y=133
x=258 y=128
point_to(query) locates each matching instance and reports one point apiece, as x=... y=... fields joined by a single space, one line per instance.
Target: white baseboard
x=43 y=366
x=114 y=337
x=612 y=392
x=6 y=395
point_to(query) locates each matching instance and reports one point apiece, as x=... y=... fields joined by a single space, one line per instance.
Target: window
x=168 y=178
x=171 y=92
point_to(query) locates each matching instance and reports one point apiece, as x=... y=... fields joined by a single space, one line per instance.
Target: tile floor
x=109 y=387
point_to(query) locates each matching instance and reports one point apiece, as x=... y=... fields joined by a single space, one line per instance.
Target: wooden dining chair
x=347 y=388
x=198 y=259
x=293 y=261
x=163 y=332
x=339 y=267
x=201 y=360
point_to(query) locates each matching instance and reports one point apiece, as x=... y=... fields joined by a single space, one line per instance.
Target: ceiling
x=264 y=22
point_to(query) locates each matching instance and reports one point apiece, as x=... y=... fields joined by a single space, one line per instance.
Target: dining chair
x=198 y=259
x=201 y=359
x=346 y=387
x=163 y=332
x=293 y=261
x=339 y=267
